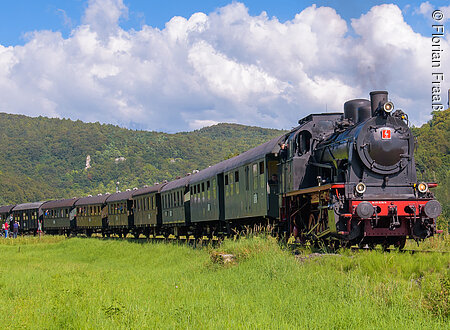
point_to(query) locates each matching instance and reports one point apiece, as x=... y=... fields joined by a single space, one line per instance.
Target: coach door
x=273 y=188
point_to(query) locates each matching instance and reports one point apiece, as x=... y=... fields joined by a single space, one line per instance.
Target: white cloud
x=426 y=9
x=227 y=66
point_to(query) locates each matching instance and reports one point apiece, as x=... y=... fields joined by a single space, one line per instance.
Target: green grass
x=85 y=283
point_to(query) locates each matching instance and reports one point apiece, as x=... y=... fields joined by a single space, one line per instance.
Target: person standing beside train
x=6 y=228
x=15 y=229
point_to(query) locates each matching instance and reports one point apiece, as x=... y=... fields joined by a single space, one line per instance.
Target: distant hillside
x=433 y=156
x=43 y=158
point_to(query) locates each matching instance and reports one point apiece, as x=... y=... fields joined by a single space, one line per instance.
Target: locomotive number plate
x=386 y=134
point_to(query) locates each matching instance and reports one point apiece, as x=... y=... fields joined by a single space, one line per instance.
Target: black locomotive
x=366 y=188
x=336 y=178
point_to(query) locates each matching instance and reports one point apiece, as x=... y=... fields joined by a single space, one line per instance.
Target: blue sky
x=182 y=65
x=21 y=16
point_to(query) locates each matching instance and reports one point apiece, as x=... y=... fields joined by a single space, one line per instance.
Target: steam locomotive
x=339 y=179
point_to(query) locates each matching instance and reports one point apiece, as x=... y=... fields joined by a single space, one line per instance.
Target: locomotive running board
x=309 y=190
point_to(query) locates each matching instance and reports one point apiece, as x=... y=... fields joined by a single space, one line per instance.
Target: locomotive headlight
x=422 y=187
x=388 y=107
x=360 y=188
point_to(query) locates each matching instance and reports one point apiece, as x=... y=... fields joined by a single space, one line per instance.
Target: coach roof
x=148 y=190
x=120 y=196
x=60 y=203
x=249 y=156
x=27 y=206
x=183 y=182
x=91 y=200
x=6 y=208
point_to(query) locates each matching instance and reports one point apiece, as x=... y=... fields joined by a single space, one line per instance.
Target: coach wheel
x=385 y=246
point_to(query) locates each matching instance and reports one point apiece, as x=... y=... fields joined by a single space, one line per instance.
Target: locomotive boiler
x=366 y=189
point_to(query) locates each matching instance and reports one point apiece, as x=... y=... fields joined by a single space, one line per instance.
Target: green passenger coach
x=28 y=215
x=59 y=216
x=120 y=214
x=146 y=203
x=92 y=214
x=175 y=202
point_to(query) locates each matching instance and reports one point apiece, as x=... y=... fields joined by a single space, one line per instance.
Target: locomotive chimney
x=377 y=98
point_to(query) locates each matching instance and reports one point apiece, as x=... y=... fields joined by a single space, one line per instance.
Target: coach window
x=247 y=178
x=236 y=179
x=255 y=176
x=226 y=179
x=203 y=186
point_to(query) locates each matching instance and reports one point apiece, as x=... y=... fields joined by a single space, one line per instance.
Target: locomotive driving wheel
x=400 y=244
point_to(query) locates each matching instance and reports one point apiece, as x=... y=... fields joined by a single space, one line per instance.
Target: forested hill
x=43 y=158
x=433 y=156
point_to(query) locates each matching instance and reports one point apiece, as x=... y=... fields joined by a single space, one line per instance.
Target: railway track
x=204 y=241
x=411 y=251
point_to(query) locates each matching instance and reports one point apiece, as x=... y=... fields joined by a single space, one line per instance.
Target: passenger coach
x=28 y=215
x=59 y=216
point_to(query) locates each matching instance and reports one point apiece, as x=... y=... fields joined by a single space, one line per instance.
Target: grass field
x=87 y=283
